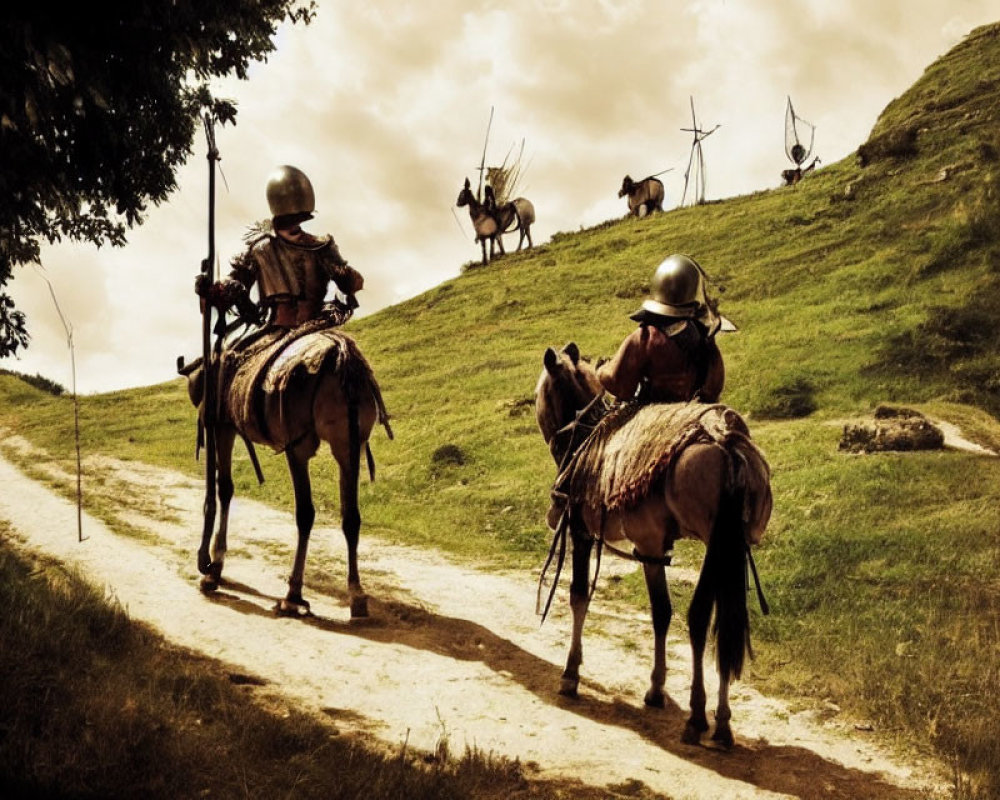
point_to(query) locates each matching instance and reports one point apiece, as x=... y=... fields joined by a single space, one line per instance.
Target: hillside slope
x=875 y=279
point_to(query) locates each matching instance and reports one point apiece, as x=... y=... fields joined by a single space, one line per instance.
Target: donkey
x=517 y=216
x=644 y=197
x=790 y=177
x=291 y=392
x=708 y=482
x=492 y=222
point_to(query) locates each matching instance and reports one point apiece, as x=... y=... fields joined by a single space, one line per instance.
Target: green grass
x=861 y=285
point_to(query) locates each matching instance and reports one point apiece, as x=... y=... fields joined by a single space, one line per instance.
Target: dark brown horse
x=714 y=487
x=291 y=392
x=644 y=197
x=491 y=222
x=790 y=177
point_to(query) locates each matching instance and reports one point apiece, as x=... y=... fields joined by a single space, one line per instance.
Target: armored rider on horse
x=293 y=382
x=672 y=357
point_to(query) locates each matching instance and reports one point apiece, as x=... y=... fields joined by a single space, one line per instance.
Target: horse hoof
x=655 y=699
x=293 y=608
x=723 y=736
x=568 y=688
x=693 y=730
x=359 y=607
x=209 y=584
x=692 y=734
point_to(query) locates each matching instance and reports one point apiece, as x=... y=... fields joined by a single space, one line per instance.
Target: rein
x=586 y=421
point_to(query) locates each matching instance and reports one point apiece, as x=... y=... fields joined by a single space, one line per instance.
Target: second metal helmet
x=678 y=291
x=289 y=192
x=677 y=288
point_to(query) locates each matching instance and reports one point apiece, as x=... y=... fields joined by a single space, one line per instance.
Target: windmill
x=797 y=130
x=796 y=151
x=696 y=160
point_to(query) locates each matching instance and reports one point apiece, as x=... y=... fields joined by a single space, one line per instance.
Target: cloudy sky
x=385 y=106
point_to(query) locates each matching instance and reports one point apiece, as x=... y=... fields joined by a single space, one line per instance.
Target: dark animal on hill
x=790 y=177
x=291 y=390
x=663 y=472
x=644 y=197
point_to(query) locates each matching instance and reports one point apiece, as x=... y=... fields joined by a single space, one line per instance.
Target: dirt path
x=450 y=654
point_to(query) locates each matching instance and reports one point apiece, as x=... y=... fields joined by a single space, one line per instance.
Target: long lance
x=208 y=364
x=482 y=163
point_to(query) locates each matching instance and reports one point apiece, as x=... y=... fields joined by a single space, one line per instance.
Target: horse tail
x=726 y=571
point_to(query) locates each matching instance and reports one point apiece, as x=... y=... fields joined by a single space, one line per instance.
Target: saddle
x=614 y=469
x=267 y=382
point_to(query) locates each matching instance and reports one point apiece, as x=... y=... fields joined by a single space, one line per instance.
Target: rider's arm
x=715 y=377
x=347 y=279
x=621 y=374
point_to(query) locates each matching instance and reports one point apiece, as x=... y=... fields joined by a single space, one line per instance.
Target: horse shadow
x=785 y=769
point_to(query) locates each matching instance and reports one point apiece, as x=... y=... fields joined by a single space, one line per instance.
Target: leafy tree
x=99 y=106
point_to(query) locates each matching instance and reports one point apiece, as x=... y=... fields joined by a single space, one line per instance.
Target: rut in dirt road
x=449 y=653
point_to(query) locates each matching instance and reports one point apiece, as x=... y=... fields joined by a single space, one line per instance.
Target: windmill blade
x=687 y=175
x=701 y=173
x=795 y=148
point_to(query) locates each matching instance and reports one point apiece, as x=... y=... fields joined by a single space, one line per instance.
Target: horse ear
x=573 y=352
x=467 y=184
x=551 y=360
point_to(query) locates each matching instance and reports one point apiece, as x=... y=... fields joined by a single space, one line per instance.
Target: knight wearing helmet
x=291 y=268
x=672 y=357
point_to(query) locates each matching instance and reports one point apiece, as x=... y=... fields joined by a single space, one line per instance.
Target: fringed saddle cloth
x=635 y=446
x=268 y=381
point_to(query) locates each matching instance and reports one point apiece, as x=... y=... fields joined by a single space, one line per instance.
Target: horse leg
x=350 y=514
x=659 y=603
x=699 y=615
x=723 y=733
x=225 y=436
x=305 y=514
x=527 y=232
x=579 y=600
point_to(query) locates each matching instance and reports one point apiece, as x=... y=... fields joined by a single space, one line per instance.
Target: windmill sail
x=797 y=131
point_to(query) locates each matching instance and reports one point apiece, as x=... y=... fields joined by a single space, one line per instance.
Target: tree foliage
x=99 y=106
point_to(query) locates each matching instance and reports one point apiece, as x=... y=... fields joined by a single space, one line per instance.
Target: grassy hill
x=876 y=279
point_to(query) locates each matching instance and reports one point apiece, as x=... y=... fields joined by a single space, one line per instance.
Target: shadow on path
x=785 y=769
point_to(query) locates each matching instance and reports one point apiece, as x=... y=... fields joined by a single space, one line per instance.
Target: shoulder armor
x=309 y=242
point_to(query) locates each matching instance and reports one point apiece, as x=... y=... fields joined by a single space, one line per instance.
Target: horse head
x=465 y=197
x=628 y=186
x=567 y=384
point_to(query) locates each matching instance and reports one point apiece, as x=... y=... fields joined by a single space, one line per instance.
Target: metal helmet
x=290 y=192
x=677 y=288
x=678 y=291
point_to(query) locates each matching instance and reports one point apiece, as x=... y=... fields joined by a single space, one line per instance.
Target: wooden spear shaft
x=208 y=365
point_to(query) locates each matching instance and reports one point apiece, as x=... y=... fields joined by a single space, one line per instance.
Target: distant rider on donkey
x=291 y=268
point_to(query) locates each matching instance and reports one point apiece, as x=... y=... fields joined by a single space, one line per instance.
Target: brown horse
x=644 y=197
x=491 y=222
x=290 y=391
x=714 y=487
